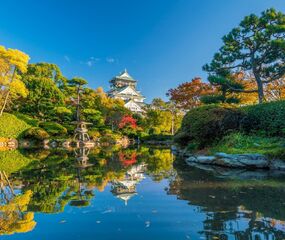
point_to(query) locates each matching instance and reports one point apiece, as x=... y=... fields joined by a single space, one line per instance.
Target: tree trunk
x=5 y=102
x=8 y=93
x=260 y=90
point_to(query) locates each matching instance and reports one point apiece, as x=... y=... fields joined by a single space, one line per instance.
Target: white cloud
x=110 y=60
x=95 y=59
x=66 y=58
x=92 y=61
x=89 y=63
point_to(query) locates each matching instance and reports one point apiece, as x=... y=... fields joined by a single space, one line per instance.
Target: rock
x=201 y=159
x=241 y=160
x=277 y=165
x=53 y=144
x=247 y=161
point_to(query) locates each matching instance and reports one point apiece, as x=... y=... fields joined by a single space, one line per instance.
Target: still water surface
x=134 y=194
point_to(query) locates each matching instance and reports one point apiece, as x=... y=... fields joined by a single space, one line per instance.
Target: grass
x=11 y=126
x=238 y=143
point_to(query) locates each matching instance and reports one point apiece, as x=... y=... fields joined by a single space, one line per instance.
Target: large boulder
x=248 y=161
x=201 y=159
x=277 y=165
x=242 y=160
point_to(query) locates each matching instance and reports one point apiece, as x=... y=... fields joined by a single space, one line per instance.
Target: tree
x=77 y=82
x=44 y=94
x=158 y=103
x=275 y=90
x=12 y=62
x=128 y=121
x=188 y=95
x=225 y=93
x=256 y=46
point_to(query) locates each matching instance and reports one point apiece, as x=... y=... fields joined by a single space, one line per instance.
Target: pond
x=142 y=193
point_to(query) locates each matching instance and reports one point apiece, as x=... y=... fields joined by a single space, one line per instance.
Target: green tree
x=41 y=79
x=257 y=47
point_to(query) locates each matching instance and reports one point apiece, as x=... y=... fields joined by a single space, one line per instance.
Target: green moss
x=11 y=126
x=13 y=161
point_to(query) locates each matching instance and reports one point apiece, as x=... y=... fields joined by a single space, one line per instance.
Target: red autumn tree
x=187 y=95
x=128 y=121
x=128 y=159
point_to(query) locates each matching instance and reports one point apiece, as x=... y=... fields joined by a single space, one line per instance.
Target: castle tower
x=124 y=87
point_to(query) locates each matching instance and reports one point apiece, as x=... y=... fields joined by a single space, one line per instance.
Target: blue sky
x=161 y=42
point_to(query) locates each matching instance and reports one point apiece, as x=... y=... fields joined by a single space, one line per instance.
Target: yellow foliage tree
x=12 y=62
x=275 y=90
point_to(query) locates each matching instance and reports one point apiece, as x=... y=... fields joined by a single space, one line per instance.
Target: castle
x=124 y=87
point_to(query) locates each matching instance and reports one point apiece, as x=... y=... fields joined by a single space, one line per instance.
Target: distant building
x=124 y=87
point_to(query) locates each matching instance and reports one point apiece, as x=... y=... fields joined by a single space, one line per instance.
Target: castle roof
x=125 y=76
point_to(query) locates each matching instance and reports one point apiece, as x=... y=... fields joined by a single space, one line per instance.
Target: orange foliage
x=128 y=160
x=275 y=90
x=187 y=95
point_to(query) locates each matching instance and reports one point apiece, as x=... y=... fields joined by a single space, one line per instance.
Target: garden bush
x=94 y=134
x=266 y=119
x=11 y=126
x=29 y=120
x=54 y=129
x=154 y=131
x=36 y=133
x=158 y=137
x=208 y=124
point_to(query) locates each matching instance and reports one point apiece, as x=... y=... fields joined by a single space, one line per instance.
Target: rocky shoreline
x=243 y=161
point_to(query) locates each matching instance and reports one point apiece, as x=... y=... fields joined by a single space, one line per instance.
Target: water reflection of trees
x=60 y=178
x=235 y=209
x=14 y=217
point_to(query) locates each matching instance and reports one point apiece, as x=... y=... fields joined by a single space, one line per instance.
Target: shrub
x=94 y=134
x=11 y=126
x=36 y=133
x=154 y=131
x=207 y=124
x=54 y=129
x=265 y=119
x=29 y=120
x=158 y=137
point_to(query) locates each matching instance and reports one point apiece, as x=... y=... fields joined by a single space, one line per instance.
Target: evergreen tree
x=256 y=46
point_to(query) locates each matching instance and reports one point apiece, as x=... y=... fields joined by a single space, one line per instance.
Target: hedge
x=207 y=124
x=267 y=119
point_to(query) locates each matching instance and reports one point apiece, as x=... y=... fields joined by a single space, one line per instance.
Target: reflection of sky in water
x=194 y=204
x=152 y=214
